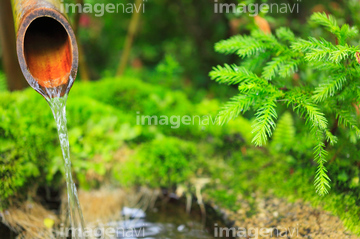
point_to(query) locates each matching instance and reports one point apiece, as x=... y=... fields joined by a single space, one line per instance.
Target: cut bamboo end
x=46 y=47
x=47 y=51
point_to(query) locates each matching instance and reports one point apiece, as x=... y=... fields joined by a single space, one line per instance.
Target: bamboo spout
x=46 y=45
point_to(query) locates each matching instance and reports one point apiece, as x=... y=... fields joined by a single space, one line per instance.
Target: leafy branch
x=279 y=57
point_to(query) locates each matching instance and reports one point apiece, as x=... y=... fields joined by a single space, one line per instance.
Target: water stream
x=57 y=103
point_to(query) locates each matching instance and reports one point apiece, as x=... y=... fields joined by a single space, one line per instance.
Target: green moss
x=101 y=119
x=164 y=162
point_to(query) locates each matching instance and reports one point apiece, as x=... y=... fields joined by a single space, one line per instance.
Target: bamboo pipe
x=46 y=45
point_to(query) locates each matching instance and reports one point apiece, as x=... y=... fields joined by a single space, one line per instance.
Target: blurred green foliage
x=101 y=119
x=165 y=162
x=3 y=83
x=185 y=29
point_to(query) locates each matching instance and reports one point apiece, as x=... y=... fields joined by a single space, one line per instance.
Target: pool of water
x=169 y=222
x=165 y=219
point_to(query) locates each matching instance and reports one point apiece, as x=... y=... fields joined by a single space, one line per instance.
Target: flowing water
x=57 y=103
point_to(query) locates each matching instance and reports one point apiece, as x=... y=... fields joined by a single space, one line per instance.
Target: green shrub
x=164 y=162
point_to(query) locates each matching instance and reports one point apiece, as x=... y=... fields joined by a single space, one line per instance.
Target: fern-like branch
x=322 y=50
x=285 y=34
x=303 y=105
x=264 y=123
x=236 y=105
x=284 y=134
x=329 y=87
x=330 y=23
x=348 y=120
x=322 y=180
x=232 y=75
x=274 y=66
x=244 y=46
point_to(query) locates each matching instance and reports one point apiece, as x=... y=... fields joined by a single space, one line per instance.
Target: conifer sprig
x=334 y=72
x=244 y=46
x=329 y=88
x=236 y=105
x=348 y=120
x=324 y=51
x=321 y=178
x=273 y=67
x=232 y=75
x=330 y=24
x=285 y=34
x=284 y=135
x=264 y=122
x=328 y=21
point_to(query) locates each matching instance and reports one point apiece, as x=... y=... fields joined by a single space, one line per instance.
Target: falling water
x=56 y=99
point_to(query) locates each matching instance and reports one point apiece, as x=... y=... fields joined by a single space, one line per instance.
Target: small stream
x=57 y=103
